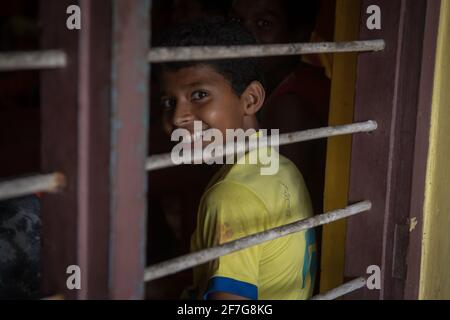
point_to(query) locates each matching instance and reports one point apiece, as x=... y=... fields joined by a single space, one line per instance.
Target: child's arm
x=231 y=211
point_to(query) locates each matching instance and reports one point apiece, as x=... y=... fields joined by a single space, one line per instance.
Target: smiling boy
x=239 y=200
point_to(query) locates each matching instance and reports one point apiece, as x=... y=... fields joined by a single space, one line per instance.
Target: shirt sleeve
x=228 y=212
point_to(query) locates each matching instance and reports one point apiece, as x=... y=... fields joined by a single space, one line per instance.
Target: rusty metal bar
x=342 y=290
x=193 y=259
x=52 y=182
x=31 y=60
x=158 y=55
x=48 y=59
x=161 y=161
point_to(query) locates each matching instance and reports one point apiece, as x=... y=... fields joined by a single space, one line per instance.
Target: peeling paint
x=412 y=224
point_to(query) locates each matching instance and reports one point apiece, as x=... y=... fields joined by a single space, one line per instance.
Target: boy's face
x=266 y=20
x=199 y=93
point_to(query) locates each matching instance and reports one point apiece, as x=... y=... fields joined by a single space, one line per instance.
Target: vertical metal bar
x=129 y=122
x=59 y=109
x=94 y=148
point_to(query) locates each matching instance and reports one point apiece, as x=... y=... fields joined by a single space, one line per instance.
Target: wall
x=435 y=266
x=339 y=148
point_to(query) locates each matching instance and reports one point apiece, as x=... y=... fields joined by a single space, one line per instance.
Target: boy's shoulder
x=251 y=175
x=245 y=181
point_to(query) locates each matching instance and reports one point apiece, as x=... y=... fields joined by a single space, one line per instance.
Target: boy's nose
x=182 y=116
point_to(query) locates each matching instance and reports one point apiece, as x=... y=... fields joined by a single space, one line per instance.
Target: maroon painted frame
x=388 y=166
x=94 y=129
x=59 y=128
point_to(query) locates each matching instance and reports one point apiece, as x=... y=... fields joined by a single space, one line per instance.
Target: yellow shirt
x=238 y=202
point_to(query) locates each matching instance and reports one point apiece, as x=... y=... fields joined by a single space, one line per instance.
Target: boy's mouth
x=195 y=136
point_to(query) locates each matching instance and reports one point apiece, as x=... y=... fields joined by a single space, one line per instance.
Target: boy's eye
x=262 y=23
x=168 y=103
x=235 y=19
x=198 y=95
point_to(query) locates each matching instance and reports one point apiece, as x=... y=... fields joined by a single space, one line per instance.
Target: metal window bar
x=158 y=55
x=161 y=161
x=342 y=290
x=53 y=182
x=32 y=60
x=194 y=259
x=333 y=294
x=47 y=59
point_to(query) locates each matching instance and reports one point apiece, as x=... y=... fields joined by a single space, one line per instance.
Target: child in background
x=299 y=93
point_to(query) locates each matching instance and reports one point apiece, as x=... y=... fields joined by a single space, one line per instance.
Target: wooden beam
x=59 y=136
x=388 y=86
x=129 y=122
x=94 y=130
x=94 y=147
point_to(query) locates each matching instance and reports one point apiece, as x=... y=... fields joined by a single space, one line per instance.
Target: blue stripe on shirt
x=232 y=286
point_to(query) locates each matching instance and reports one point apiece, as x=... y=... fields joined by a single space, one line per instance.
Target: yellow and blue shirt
x=238 y=202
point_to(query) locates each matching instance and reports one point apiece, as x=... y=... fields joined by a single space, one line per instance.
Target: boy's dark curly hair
x=217 y=31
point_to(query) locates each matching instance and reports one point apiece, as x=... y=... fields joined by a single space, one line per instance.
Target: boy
x=299 y=92
x=239 y=201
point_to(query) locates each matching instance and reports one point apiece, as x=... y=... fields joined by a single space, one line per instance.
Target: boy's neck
x=250 y=123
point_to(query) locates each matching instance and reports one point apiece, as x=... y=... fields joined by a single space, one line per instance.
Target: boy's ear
x=253 y=98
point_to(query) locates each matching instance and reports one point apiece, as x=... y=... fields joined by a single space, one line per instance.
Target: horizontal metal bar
x=342 y=290
x=32 y=60
x=161 y=161
x=193 y=259
x=53 y=182
x=163 y=54
x=333 y=294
